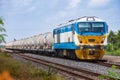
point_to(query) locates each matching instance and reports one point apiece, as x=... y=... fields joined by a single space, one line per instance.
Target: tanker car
x=83 y=38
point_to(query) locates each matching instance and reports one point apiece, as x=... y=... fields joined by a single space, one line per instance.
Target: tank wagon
x=82 y=38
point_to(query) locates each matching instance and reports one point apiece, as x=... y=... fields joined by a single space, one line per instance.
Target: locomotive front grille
x=91 y=52
x=91 y=40
x=92 y=47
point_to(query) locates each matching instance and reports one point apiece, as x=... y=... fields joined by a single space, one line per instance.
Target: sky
x=25 y=18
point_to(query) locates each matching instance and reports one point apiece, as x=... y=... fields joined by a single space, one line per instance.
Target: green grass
x=25 y=70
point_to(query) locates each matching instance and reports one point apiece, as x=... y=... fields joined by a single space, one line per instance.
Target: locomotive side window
x=58 y=31
x=73 y=29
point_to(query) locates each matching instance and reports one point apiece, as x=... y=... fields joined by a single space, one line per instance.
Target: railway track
x=100 y=62
x=79 y=73
x=108 y=64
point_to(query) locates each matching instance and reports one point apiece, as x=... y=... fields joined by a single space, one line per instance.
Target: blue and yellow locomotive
x=84 y=38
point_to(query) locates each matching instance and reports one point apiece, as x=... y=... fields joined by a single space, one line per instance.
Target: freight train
x=83 y=38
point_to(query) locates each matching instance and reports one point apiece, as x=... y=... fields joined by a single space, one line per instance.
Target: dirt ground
x=112 y=58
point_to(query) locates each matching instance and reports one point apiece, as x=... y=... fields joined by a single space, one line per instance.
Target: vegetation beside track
x=113 y=48
x=111 y=75
x=113 y=52
x=19 y=70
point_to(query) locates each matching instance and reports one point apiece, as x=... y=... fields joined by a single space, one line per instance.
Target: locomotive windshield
x=91 y=27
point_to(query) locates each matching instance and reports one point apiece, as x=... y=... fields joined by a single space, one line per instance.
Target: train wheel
x=73 y=55
x=60 y=53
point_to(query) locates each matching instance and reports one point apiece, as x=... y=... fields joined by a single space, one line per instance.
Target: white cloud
x=98 y=3
x=62 y=13
x=73 y=3
x=30 y=9
x=53 y=3
x=3 y=3
x=21 y=2
x=17 y=6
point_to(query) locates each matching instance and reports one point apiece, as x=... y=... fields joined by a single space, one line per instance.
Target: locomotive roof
x=89 y=19
x=82 y=19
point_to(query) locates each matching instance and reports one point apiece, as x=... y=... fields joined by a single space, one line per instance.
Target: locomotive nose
x=95 y=40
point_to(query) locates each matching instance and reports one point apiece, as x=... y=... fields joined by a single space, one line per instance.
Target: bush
x=20 y=70
x=109 y=47
x=113 y=52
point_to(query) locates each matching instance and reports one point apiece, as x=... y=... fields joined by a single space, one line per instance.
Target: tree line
x=113 y=40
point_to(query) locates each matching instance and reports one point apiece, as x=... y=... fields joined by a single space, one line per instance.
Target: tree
x=114 y=39
x=2 y=31
x=111 y=37
x=118 y=39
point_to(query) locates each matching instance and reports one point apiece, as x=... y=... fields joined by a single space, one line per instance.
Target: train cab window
x=98 y=27
x=84 y=27
x=91 y=27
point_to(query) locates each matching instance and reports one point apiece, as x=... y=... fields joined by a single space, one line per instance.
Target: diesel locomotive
x=83 y=38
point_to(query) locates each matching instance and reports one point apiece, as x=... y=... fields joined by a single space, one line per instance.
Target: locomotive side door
x=58 y=36
x=73 y=32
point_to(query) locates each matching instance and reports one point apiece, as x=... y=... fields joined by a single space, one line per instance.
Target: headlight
x=103 y=38
x=80 y=40
x=81 y=47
